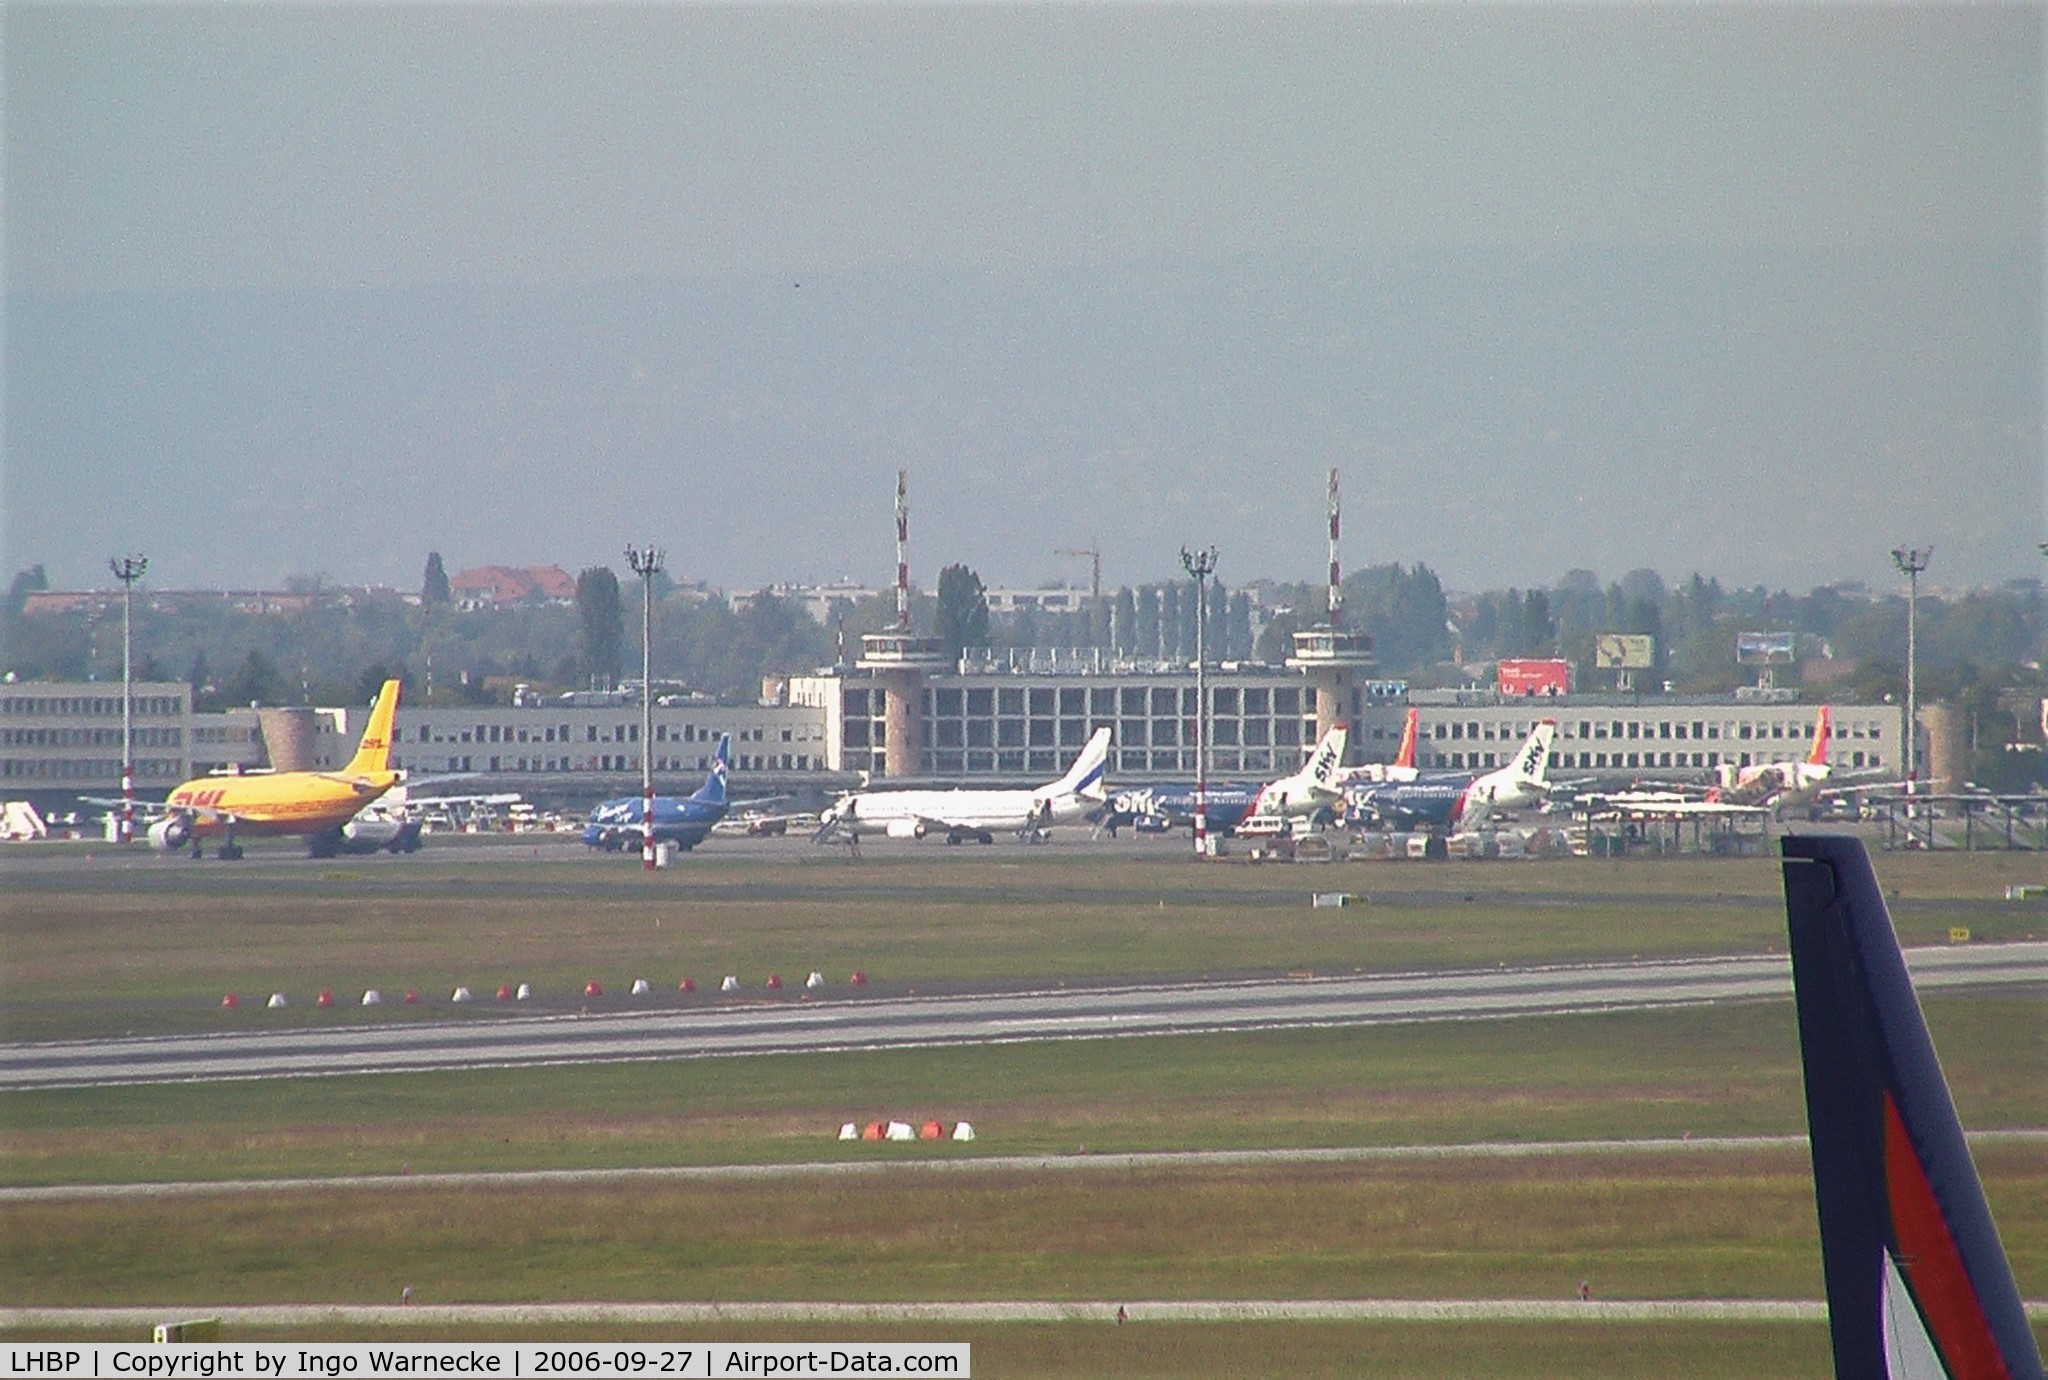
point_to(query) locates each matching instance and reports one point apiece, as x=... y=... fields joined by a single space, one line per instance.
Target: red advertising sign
x=1522 y=677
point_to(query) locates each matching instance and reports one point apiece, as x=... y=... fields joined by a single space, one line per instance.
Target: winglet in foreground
x=1918 y=1284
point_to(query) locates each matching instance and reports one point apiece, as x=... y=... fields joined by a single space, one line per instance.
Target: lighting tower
x=1911 y=560
x=646 y=564
x=128 y=569
x=1200 y=564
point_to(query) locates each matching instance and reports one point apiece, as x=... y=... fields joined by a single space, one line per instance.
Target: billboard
x=1624 y=651
x=1765 y=648
x=1523 y=676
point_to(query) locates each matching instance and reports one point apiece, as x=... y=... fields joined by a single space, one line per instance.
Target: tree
x=1145 y=637
x=434 y=584
x=256 y=681
x=26 y=582
x=601 y=636
x=1237 y=639
x=1536 y=629
x=962 y=620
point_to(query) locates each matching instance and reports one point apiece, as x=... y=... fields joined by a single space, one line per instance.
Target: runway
x=812 y=1027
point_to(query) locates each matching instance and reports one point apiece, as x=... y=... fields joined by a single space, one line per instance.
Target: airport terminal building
x=986 y=723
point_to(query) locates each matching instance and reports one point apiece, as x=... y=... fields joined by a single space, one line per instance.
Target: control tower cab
x=899 y=663
x=1334 y=661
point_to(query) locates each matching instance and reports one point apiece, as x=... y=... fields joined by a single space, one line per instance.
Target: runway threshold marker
x=412 y=997
x=687 y=985
x=931 y=1130
x=815 y=981
x=525 y=992
x=504 y=991
x=849 y=1131
x=593 y=988
x=372 y=997
x=230 y=1002
x=640 y=987
x=462 y=994
x=775 y=982
x=900 y=1130
x=326 y=997
x=860 y=979
x=962 y=1131
x=871 y=1131
x=276 y=1000
x=731 y=984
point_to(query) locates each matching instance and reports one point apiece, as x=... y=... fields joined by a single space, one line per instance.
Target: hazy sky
x=225 y=150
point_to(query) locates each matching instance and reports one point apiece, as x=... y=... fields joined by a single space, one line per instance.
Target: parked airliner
x=957 y=815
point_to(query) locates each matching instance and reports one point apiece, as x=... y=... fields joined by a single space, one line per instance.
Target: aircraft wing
x=1679 y=808
x=360 y=785
x=495 y=798
x=160 y=809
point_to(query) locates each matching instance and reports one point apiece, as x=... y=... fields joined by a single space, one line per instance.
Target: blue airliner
x=681 y=820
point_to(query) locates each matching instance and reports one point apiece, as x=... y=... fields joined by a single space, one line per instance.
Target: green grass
x=1712 y=1223
x=155 y=948
x=1724 y=1070
x=152 y=949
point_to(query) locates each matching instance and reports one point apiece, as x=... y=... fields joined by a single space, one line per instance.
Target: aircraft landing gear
x=230 y=851
x=324 y=845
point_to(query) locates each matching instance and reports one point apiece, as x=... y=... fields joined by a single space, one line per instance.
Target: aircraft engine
x=170 y=832
x=906 y=829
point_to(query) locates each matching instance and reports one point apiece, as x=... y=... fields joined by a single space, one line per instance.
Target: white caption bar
x=519 y=1360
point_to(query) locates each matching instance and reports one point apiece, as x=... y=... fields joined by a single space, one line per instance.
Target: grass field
x=152 y=948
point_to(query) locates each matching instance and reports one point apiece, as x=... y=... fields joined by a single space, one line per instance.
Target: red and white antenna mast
x=903 y=550
x=1336 y=577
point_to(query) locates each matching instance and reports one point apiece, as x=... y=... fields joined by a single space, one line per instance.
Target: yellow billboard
x=1624 y=651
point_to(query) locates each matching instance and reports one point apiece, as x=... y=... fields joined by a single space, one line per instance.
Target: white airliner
x=1781 y=784
x=1315 y=788
x=956 y=815
x=1402 y=768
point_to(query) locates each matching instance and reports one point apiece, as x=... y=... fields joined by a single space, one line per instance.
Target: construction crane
x=1094 y=555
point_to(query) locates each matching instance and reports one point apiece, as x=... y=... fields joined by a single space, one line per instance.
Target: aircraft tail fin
x=1085 y=777
x=1533 y=761
x=712 y=792
x=1917 y=1282
x=373 y=754
x=1823 y=732
x=1405 y=755
x=1327 y=764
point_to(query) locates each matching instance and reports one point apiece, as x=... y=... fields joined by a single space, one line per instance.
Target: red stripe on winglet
x=1933 y=1266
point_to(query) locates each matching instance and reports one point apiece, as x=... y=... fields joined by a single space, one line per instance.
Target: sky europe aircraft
x=312 y=804
x=1402 y=768
x=1917 y=1282
x=1779 y=783
x=973 y=814
x=1444 y=800
x=1232 y=802
x=681 y=820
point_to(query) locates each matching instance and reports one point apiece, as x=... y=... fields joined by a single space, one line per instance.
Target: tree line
x=331 y=650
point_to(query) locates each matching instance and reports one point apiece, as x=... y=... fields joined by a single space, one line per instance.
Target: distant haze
x=1753 y=292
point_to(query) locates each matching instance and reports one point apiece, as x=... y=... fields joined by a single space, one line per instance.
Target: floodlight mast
x=1911 y=560
x=1199 y=565
x=128 y=569
x=646 y=564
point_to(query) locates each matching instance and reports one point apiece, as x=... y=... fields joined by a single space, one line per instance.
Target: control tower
x=1332 y=658
x=900 y=661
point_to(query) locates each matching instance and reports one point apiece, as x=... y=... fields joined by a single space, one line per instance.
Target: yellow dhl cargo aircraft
x=314 y=804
